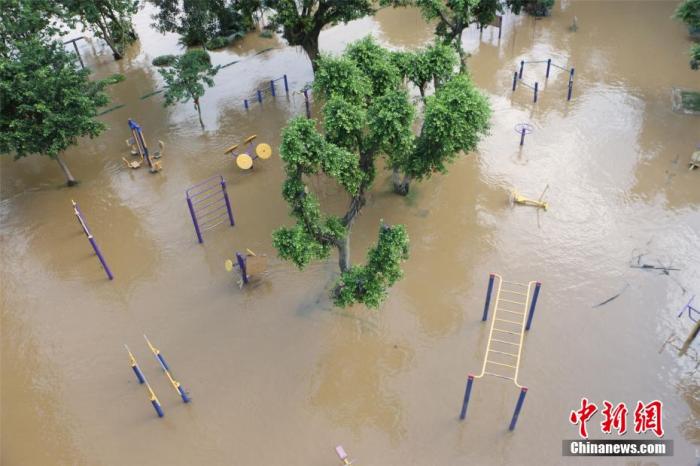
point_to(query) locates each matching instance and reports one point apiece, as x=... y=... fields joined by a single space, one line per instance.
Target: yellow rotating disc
x=263 y=150
x=244 y=161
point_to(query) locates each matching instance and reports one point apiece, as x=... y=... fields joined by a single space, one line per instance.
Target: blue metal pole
x=533 y=303
x=183 y=394
x=522 y=136
x=515 y=80
x=518 y=407
x=227 y=201
x=272 y=87
x=194 y=220
x=571 y=85
x=139 y=374
x=549 y=64
x=100 y=257
x=157 y=407
x=536 y=86
x=259 y=96
x=467 y=393
x=522 y=65
x=286 y=84
x=245 y=103
x=241 y=265
x=488 y=298
x=162 y=362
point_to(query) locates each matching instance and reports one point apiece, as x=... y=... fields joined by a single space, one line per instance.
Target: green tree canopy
x=201 y=21
x=23 y=20
x=367 y=114
x=303 y=20
x=109 y=20
x=47 y=104
x=185 y=79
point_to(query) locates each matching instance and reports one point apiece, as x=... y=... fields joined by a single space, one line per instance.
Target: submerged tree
x=109 y=20
x=201 y=21
x=185 y=79
x=695 y=57
x=303 y=20
x=367 y=115
x=47 y=104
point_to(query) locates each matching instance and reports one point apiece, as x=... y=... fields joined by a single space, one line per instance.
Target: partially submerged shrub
x=164 y=60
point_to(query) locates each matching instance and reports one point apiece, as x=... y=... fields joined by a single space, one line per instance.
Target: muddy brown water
x=277 y=375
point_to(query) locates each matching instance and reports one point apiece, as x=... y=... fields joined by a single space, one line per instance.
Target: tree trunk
x=344 y=253
x=422 y=92
x=310 y=46
x=462 y=55
x=107 y=36
x=401 y=186
x=70 y=181
x=199 y=112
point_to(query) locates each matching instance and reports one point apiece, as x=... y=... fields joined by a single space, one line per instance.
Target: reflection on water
x=275 y=373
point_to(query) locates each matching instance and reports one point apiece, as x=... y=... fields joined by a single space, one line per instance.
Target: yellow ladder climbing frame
x=513 y=309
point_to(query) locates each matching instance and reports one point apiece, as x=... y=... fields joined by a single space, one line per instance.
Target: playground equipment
x=497 y=23
x=176 y=385
x=206 y=202
x=75 y=46
x=691 y=310
x=91 y=239
x=259 y=93
x=244 y=159
x=249 y=265
x=504 y=348
x=142 y=380
x=522 y=200
x=695 y=159
x=340 y=451
x=522 y=129
x=518 y=76
x=307 y=102
x=138 y=147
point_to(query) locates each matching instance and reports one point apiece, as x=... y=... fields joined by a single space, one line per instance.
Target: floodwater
x=279 y=376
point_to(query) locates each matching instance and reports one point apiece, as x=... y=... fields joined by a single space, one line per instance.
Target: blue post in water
x=228 y=203
x=515 y=80
x=139 y=374
x=162 y=362
x=194 y=220
x=518 y=407
x=96 y=248
x=306 y=101
x=259 y=96
x=549 y=64
x=245 y=103
x=522 y=136
x=467 y=393
x=272 y=87
x=571 y=85
x=157 y=407
x=241 y=265
x=522 y=65
x=183 y=394
x=533 y=303
x=286 y=84
x=536 y=87
x=488 y=298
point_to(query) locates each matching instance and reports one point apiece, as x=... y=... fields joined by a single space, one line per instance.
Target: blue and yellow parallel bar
x=176 y=385
x=142 y=380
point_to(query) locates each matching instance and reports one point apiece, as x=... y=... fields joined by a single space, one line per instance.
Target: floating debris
x=613 y=297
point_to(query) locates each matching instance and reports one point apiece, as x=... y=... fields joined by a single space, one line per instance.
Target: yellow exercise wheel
x=244 y=161
x=264 y=151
